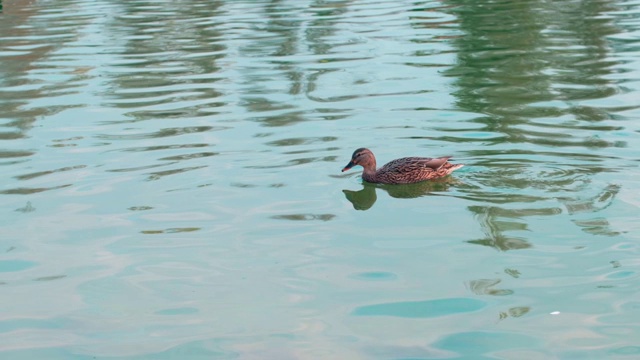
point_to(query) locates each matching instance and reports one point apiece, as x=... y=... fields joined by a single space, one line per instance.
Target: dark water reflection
x=171 y=179
x=534 y=76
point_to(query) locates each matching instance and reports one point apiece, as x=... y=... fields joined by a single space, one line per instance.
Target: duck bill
x=349 y=166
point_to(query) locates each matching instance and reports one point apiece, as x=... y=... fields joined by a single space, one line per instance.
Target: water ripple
x=171 y=179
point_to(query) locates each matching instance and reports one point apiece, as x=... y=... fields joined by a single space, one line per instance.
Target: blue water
x=171 y=184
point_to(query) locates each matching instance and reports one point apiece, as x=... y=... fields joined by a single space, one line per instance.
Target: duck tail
x=453 y=167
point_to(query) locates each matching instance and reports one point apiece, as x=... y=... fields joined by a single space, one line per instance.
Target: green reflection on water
x=15 y=265
x=480 y=344
x=422 y=309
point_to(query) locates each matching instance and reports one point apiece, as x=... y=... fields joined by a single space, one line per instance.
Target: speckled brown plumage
x=401 y=171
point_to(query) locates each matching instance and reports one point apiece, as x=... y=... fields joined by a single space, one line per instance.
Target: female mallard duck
x=401 y=171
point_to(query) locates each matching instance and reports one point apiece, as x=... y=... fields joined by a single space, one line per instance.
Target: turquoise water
x=171 y=182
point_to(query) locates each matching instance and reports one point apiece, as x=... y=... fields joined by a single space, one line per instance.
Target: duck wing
x=411 y=164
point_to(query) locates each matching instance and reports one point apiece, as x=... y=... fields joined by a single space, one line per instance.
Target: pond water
x=170 y=179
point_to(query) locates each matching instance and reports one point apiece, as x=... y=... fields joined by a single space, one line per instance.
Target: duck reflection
x=365 y=198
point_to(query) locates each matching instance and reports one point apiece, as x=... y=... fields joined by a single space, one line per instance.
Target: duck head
x=363 y=157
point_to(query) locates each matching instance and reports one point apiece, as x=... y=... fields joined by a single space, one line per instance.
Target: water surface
x=171 y=182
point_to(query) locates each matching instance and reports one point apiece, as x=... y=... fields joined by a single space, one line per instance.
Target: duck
x=406 y=170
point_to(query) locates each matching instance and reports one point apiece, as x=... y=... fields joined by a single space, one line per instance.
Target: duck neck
x=369 y=173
